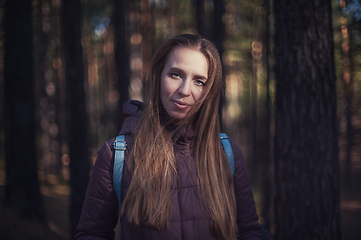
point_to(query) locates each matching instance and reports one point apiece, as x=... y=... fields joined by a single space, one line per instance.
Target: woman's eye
x=199 y=82
x=175 y=75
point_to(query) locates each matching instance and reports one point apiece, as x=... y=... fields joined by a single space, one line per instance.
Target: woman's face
x=182 y=81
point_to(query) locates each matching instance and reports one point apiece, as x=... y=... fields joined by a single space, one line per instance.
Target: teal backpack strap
x=228 y=150
x=119 y=147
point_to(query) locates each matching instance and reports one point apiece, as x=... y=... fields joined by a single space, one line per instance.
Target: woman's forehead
x=189 y=58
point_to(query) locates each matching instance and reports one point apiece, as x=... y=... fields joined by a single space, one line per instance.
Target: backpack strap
x=228 y=150
x=119 y=146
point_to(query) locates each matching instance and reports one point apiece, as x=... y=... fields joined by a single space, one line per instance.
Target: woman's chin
x=177 y=117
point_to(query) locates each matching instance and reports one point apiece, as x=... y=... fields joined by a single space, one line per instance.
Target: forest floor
x=56 y=202
x=13 y=227
x=351 y=190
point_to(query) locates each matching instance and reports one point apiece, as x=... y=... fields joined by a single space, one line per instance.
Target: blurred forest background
x=75 y=63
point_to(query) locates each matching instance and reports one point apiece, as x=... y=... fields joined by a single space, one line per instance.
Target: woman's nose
x=185 y=88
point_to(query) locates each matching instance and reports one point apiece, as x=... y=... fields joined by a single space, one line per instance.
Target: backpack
x=120 y=145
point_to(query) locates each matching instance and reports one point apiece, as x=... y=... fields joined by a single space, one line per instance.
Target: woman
x=177 y=182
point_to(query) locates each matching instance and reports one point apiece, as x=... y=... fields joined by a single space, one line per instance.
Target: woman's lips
x=180 y=104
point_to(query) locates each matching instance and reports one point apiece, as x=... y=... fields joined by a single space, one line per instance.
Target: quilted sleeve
x=100 y=210
x=247 y=218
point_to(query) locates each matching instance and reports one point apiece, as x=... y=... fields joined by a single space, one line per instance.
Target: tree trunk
x=219 y=36
x=76 y=111
x=254 y=121
x=266 y=160
x=201 y=17
x=347 y=79
x=121 y=57
x=307 y=203
x=147 y=31
x=22 y=184
x=216 y=34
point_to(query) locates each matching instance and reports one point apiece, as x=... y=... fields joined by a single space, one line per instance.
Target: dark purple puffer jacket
x=188 y=220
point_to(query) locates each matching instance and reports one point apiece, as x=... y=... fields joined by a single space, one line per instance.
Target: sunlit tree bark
x=347 y=79
x=22 y=185
x=76 y=111
x=307 y=203
x=47 y=90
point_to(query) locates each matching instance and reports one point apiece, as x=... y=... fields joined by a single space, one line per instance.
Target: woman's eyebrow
x=176 y=69
x=200 y=77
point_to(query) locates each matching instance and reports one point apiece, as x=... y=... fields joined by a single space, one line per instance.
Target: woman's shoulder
x=241 y=176
x=237 y=152
x=105 y=159
x=132 y=110
x=105 y=155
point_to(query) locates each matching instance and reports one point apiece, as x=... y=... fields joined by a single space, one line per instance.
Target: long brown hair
x=148 y=200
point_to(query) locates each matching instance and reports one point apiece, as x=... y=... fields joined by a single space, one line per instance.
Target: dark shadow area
x=14 y=227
